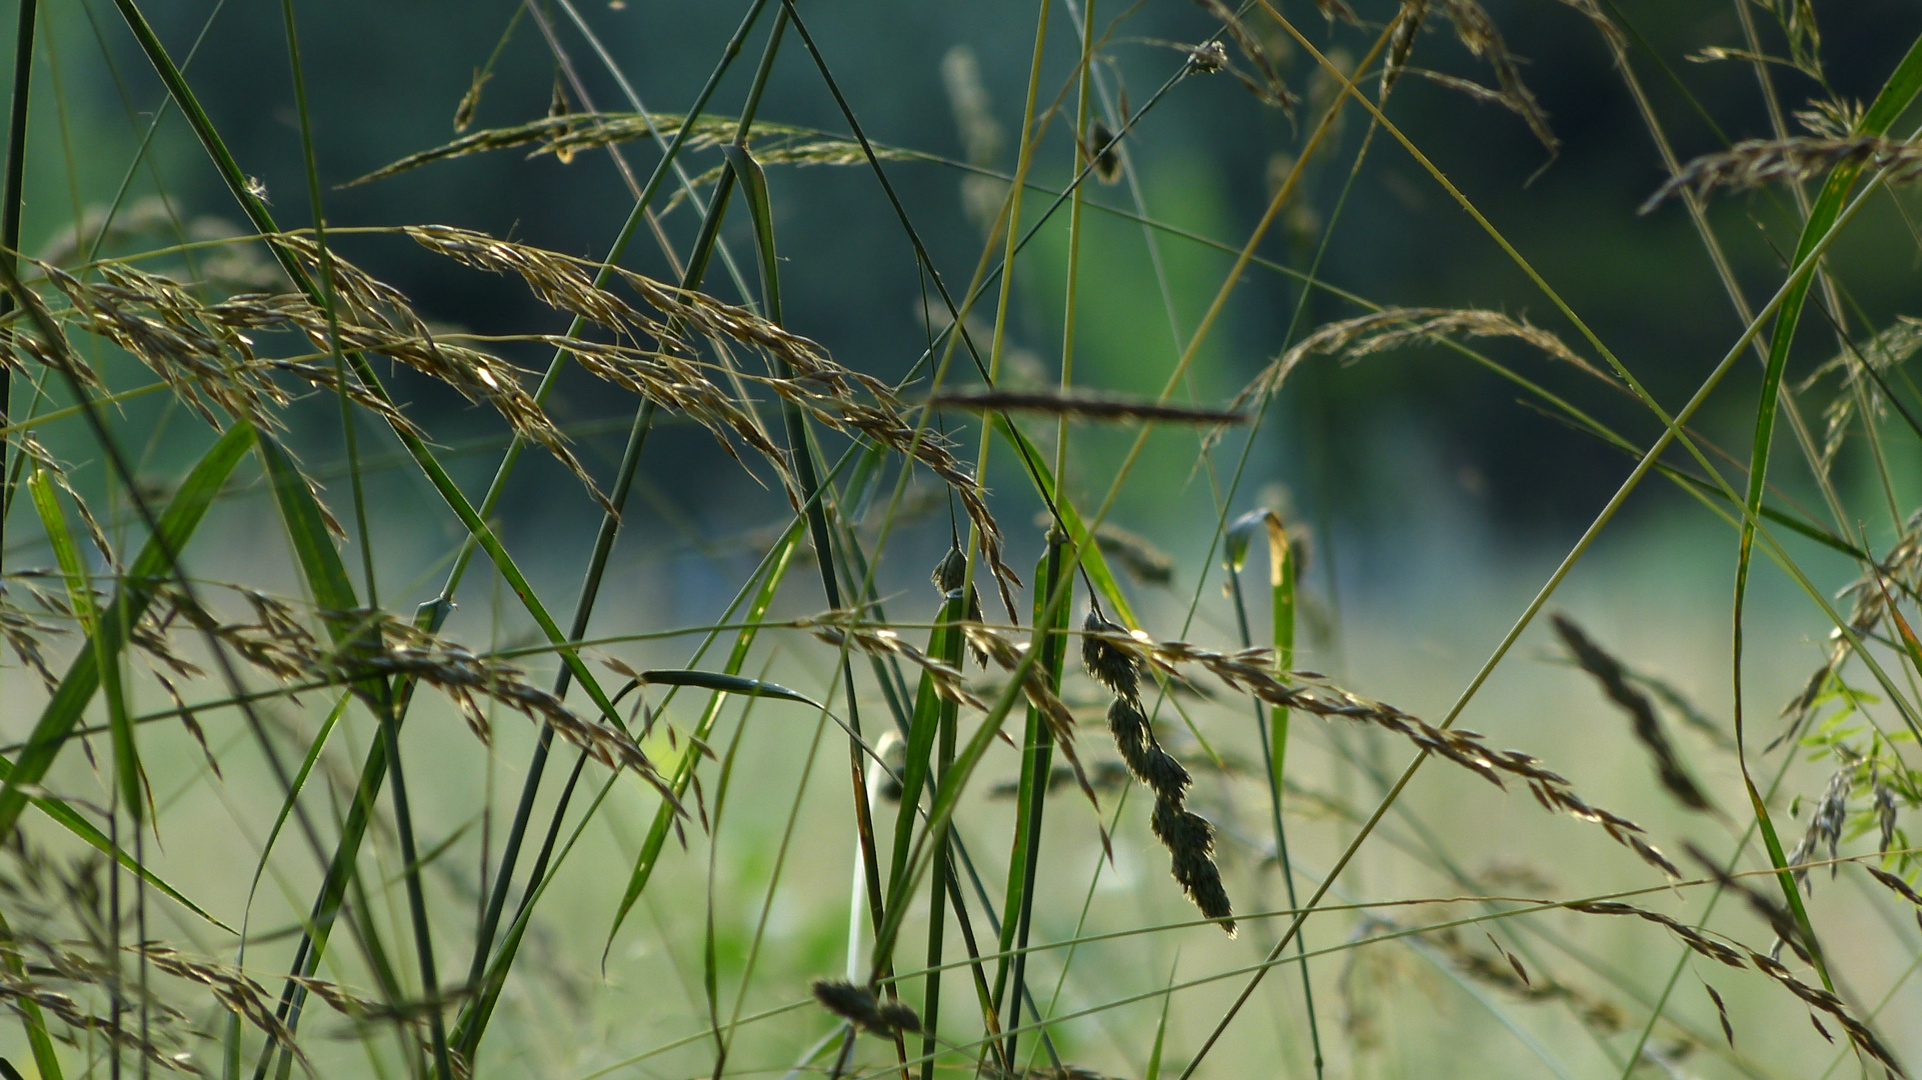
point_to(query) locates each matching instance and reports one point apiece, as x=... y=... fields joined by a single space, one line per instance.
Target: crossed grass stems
x=324 y=323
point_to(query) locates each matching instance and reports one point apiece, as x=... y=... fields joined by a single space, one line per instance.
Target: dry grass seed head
x=1394 y=327
x=1756 y=162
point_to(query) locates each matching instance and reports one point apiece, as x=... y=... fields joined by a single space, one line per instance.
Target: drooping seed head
x=1107 y=663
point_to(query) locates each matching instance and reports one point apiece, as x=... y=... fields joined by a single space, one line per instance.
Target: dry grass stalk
x=1252 y=671
x=1394 y=327
x=1082 y=406
x=1608 y=671
x=1755 y=162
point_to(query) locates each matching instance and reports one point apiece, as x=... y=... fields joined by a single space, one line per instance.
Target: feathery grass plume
x=1392 y=328
x=1252 y=671
x=841 y=628
x=1755 y=162
x=1477 y=33
x=1006 y=655
x=1116 y=668
x=1085 y=406
x=1608 y=671
x=42 y=458
x=1407 y=24
x=1870 y=595
x=857 y=1006
x=844 y=399
x=1264 y=84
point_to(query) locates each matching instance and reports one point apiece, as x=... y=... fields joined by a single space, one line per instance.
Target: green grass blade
x=177 y=524
x=726 y=683
x=66 y=552
x=1893 y=99
x=754 y=188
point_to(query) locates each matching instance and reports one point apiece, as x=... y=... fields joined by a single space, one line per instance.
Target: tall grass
x=975 y=891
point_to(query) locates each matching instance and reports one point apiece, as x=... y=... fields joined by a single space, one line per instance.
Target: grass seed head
x=1107 y=663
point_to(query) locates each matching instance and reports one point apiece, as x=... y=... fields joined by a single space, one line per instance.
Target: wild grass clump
x=244 y=527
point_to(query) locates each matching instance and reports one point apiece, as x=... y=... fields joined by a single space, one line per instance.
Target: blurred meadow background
x=776 y=538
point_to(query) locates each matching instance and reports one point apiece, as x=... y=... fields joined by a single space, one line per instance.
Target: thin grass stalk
x=382 y=699
x=1023 y=160
x=1037 y=769
x=610 y=522
x=941 y=878
x=1273 y=733
x=10 y=234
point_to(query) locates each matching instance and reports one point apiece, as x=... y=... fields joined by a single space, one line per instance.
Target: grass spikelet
x=1756 y=162
x=1135 y=740
x=26 y=638
x=1402 y=42
x=1190 y=840
x=857 y=1006
x=1825 y=825
x=1264 y=83
x=1107 y=663
x=1608 y=671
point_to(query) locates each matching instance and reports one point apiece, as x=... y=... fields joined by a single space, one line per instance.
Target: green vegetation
x=311 y=767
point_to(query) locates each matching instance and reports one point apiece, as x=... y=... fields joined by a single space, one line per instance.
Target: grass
x=981 y=889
